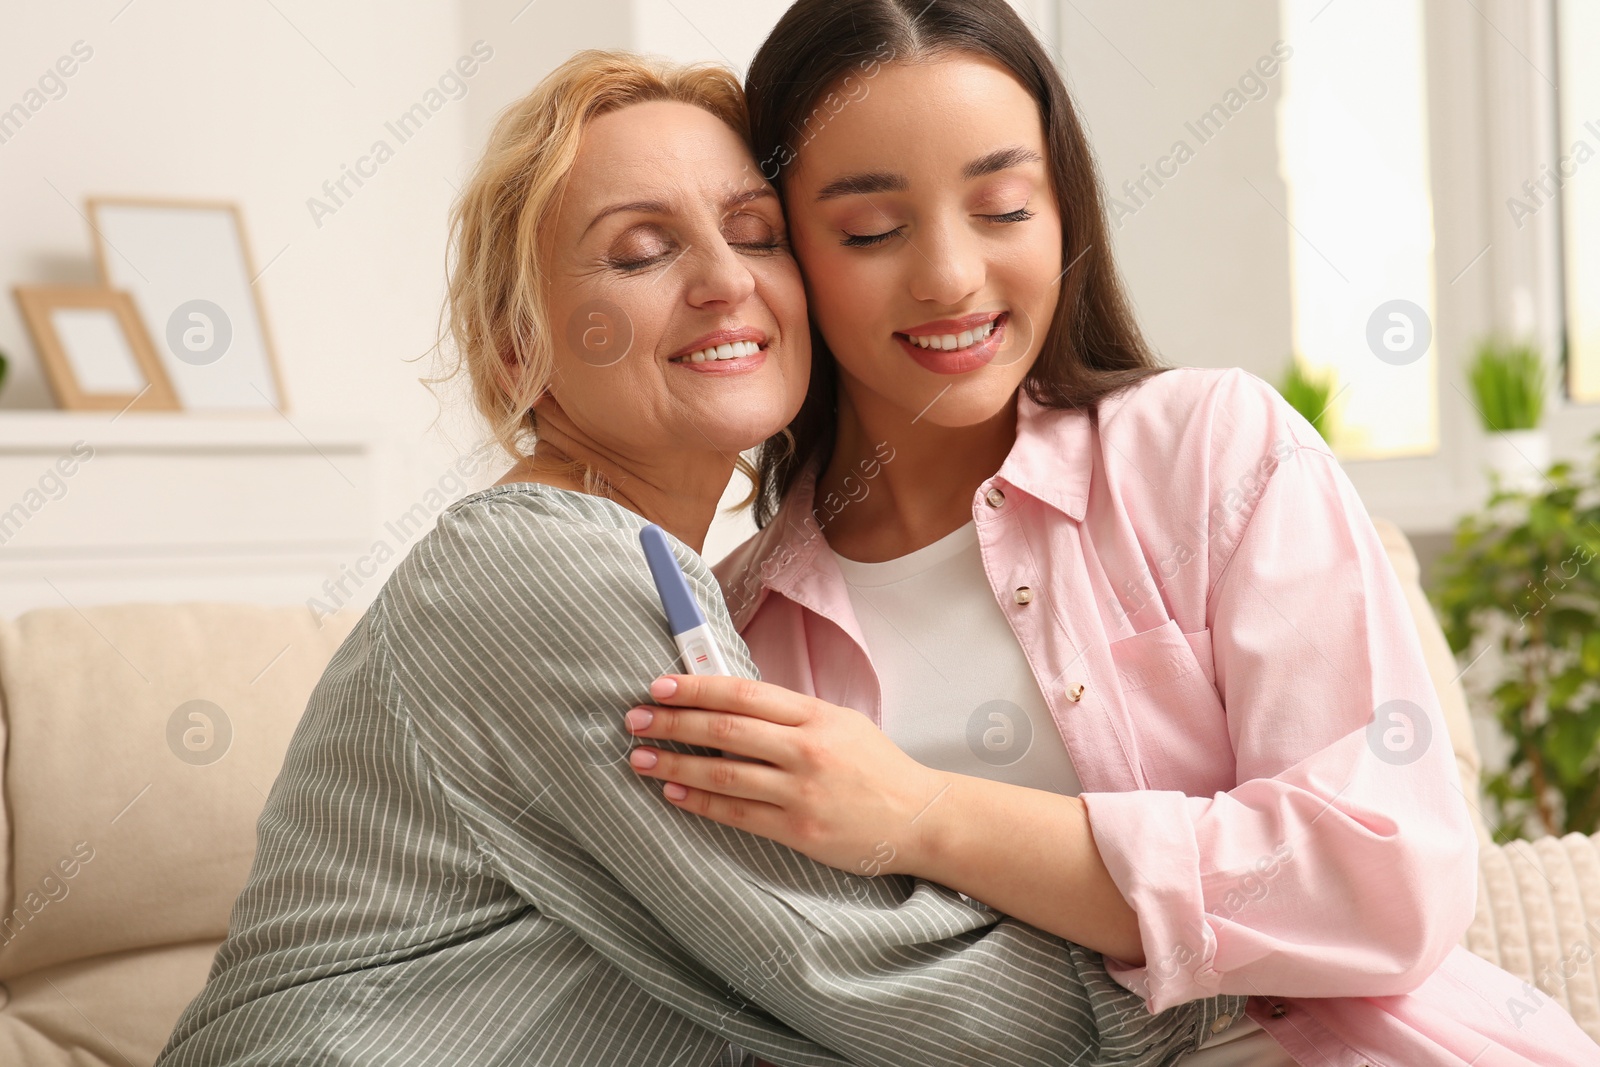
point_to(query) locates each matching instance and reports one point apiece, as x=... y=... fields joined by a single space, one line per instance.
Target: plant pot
x=1519 y=457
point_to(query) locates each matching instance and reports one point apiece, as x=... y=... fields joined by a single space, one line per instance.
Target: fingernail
x=675 y=791
x=663 y=687
x=639 y=718
x=643 y=758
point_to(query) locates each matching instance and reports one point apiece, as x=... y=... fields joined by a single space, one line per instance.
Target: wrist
x=929 y=825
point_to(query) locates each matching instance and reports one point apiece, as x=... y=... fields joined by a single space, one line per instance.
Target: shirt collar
x=1052 y=458
x=1050 y=461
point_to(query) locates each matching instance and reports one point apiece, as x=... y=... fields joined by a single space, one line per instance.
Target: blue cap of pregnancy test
x=683 y=611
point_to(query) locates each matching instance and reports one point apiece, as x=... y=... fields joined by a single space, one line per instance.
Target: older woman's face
x=679 y=311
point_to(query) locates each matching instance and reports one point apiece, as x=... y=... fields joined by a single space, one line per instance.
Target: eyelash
x=872 y=240
x=762 y=246
x=1022 y=214
x=630 y=266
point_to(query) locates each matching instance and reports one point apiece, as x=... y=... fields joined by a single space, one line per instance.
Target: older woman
x=456 y=865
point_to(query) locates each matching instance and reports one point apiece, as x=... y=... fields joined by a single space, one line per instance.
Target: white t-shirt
x=960 y=696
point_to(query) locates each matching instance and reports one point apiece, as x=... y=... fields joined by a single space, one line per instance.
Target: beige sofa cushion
x=115 y=1011
x=131 y=825
x=1538 y=917
x=1441 y=665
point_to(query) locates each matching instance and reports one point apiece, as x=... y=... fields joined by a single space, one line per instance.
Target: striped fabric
x=457 y=866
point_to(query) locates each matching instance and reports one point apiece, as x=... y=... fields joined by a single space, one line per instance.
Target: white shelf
x=181 y=506
x=47 y=431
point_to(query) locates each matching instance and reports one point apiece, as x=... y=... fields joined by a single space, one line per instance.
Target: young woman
x=455 y=866
x=1137 y=618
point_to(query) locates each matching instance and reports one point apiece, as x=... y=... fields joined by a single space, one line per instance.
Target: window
x=1575 y=175
x=1353 y=137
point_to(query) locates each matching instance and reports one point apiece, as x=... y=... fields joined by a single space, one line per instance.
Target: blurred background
x=223 y=249
x=1285 y=178
x=1388 y=208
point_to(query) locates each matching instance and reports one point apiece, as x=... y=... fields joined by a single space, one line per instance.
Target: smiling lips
x=733 y=350
x=951 y=341
x=724 y=352
x=956 y=346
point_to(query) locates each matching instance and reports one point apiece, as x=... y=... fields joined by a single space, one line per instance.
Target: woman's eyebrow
x=660 y=207
x=648 y=207
x=884 y=182
x=746 y=196
x=1000 y=159
x=852 y=184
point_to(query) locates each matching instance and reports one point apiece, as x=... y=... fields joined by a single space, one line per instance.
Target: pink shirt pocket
x=1168 y=690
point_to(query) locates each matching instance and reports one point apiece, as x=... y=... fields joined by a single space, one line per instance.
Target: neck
x=678 y=491
x=920 y=494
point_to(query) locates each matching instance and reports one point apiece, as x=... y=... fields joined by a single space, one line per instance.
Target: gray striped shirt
x=456 y=864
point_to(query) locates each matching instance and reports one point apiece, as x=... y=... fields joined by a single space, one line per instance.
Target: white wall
x=238 y=102
x=716 y=30
x=530 y=39
x=258 y=104
x=1205 y=255
x=263 y=103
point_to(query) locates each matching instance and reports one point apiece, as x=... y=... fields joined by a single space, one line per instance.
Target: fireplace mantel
x=97 y=508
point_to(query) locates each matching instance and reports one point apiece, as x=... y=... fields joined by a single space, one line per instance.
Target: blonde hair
x=496 y=295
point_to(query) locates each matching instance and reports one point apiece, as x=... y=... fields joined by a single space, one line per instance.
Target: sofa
x=140 y=741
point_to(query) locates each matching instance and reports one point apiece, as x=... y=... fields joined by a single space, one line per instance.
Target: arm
x=837 y=789
x=1029 y=854
x=1347 y=807
x=515 y=671
x=1250 y=890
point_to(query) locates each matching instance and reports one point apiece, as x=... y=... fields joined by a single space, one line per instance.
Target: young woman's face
x=924 y=220
x=678 y=309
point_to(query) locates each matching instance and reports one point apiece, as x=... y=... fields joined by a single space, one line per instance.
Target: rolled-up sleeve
x=1335 y=866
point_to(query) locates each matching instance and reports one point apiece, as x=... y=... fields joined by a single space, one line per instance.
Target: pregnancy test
x=684 y=617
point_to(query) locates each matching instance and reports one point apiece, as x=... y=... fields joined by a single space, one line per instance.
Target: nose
x=947 y=266
x=718 y=275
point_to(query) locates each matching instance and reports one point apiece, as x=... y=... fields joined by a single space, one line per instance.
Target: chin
x=976 y=400
x=955 y=413
x=730 y=432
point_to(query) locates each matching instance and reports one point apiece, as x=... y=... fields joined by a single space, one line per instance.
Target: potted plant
x=1310 y=394
x=1508 y=384
x=1524 y=577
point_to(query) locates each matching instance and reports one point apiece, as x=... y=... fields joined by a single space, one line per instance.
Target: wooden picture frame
x=187 y=265
x=94 y=349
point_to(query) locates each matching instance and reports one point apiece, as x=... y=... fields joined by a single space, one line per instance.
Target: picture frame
x=94 y=349
x=188 y=268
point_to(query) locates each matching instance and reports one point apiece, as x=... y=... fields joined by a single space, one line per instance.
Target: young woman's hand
x=832 y=785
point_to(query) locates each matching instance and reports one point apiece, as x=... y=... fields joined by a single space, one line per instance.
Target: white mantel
x=181 y=506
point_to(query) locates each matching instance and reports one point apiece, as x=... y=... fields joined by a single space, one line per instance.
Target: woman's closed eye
x=752 y=233
x=868 y=240
x=640 y=248
x=1022 y=214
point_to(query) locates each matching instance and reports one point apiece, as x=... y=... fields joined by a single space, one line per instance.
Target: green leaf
x=1525 y=573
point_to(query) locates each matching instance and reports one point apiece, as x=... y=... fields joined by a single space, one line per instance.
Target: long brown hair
x=1093 y=346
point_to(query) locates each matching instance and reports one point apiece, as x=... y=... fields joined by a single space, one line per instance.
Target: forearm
x=1030 y=854
x=518 y=715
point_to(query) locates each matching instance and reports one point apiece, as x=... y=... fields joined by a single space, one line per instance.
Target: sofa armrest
x=1538 y=917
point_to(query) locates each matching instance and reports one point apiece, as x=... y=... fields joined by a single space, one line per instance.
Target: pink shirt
x=1214 y=622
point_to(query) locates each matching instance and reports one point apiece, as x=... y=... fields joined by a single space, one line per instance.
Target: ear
x=509 y=371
